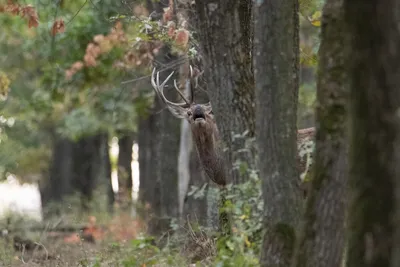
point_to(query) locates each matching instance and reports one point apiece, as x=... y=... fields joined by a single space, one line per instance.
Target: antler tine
x=159 y=88
x=181 y=94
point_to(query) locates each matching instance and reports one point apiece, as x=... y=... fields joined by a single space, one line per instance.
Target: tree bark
x=374 y=73
x=125 y=143
x=321 y=240
x=185 y=151
x=160 y=148
x=146 y=150
x=276 y=64
x=225 y=31
x=106 y=168
x=86 y=168
x=60 y=174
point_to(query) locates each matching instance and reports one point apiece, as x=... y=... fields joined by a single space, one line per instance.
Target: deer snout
x=198 y=113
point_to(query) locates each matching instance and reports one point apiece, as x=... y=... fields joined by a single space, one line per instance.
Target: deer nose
x=198 y=112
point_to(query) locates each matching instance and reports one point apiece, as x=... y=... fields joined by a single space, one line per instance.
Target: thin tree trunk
x=106 y=165
x=374 y=73
x=321 y=242
x=276 y=64
x=125 y=143
x=185 y=151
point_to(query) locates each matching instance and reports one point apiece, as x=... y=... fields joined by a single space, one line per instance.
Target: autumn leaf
x=182 y=38
x=12 y=8
x=168 y=12
x=58 y=27
x=30 y=12
x=77 y=65
x=98 y=38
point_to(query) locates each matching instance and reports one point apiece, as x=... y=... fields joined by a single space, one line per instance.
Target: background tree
x=373 y=58
x=125 y=145
x=321 y=240
x=276 y=67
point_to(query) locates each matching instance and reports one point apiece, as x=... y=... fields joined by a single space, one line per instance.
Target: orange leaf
x=58 y=27
x=98 y=38
x=182 y=38
x=12 y=8
x=30 y=12
x=77 y=65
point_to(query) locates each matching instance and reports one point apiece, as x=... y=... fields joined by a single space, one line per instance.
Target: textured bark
x=321 y=241
x=225 y=32
x=276 y=61
x=160 y=148
x=166 y=162
x=374 y=62
x=165 y=138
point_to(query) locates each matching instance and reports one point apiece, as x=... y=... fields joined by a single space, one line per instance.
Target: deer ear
x=178 y=112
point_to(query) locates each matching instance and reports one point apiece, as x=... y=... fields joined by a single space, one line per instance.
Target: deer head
x=202 y=124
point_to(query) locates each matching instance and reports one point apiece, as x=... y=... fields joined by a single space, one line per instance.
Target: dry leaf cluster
x=25 y=11
x=58 y=27
x=101 y=44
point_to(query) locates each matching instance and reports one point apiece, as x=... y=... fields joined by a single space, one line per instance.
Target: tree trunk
x=125 y=143
x=147 y=177
x=321 y=242
x=166 y=161
x=185 y=150
x=225 y=31
x=276 y=64
x=86 y=168
x=106 y=167
x=374 y=63
x=60 y=174
x=160 y=172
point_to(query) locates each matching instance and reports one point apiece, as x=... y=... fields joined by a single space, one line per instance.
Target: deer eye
x=189 y=113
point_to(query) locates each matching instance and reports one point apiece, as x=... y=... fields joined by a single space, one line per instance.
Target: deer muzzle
x=198 y=113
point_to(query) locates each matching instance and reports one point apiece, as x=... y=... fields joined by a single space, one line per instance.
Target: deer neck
x=205 y=142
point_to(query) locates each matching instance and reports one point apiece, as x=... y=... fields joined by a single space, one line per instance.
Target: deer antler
x=159 y=88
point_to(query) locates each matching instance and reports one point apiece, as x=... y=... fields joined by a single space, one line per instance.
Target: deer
x=205 y=132
x=202 y=124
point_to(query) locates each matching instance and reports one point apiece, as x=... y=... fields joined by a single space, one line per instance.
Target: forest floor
x=120 y=242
